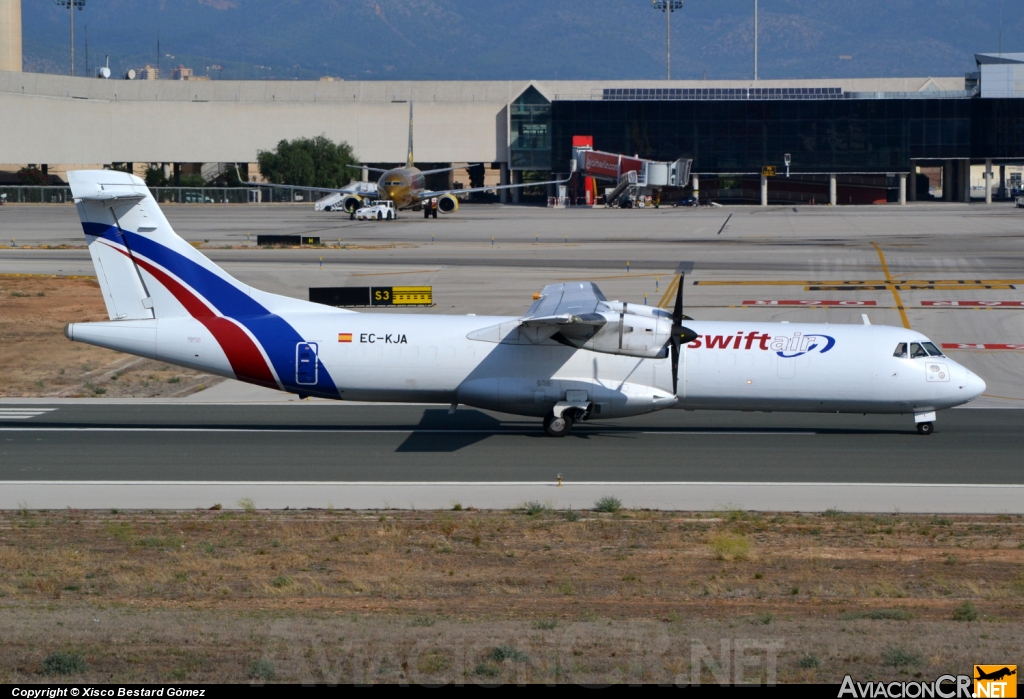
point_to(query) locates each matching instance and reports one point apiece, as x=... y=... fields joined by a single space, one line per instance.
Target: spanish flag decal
x=344 y=337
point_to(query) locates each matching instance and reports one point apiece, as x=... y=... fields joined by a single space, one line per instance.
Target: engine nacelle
x=628 y=334
x=351 y=202
x=448 y=204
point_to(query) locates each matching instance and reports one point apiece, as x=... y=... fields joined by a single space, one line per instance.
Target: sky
x=523 y=39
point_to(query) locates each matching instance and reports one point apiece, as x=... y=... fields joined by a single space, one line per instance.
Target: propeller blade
x=677 y=312
x=675 y=365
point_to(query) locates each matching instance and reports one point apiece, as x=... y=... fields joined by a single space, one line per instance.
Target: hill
x=570 y=39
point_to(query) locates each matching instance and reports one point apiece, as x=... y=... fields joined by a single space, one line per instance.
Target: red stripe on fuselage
x=244 y=356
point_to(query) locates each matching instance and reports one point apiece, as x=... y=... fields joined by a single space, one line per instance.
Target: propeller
x=679 y=335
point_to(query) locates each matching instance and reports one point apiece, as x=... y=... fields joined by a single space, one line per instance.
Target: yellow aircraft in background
x=406 y=187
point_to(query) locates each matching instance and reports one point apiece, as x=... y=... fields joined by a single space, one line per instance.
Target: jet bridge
x=639 y=175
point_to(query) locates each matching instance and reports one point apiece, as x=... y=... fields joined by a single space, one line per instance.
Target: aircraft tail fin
x=145 y=269
x=409 y=161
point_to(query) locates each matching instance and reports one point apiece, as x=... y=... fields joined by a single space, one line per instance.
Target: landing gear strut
x=558 y=426
x=925 y=428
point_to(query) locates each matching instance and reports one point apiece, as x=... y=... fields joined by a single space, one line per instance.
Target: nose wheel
x=558 y=426
x=925 y=428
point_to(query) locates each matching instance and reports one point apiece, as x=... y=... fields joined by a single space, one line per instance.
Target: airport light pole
x=755 y=39
x=668 y=7
x=71 y=5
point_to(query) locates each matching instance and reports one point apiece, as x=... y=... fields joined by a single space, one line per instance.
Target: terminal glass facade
x=530 y=117
x=822 y=135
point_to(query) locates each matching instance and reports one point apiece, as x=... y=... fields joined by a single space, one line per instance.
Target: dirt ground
x=38 y=361
x=485 y=597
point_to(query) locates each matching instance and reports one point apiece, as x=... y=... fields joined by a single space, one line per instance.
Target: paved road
x=333 y=443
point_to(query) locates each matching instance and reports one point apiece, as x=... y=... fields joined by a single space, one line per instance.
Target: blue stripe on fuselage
x=277 y=337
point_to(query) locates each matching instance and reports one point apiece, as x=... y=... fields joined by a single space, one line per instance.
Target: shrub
x=282 y=581
x=247 y=504
x=608 y=503
x=572 y=516
x=898 y=657
x=261 y=670
x=545 y=624
x=534 y=508
x=809 y=661
x=486 y=670
x=64 y=664
x=422 y=621
x=730 y=547
x=500 y=654
x=881 y=614
x=965 y=611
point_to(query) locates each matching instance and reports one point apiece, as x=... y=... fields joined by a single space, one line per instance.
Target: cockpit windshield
x=917 y=351
x=901 y=351
x=932 y=349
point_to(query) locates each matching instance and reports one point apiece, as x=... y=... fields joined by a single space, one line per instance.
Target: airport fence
x=18 y=194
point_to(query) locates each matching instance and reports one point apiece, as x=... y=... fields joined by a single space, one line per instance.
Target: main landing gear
x=558 y=426
x=925 y=428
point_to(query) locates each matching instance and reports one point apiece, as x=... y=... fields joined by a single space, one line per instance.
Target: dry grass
x=38 y=361
x=389 y=596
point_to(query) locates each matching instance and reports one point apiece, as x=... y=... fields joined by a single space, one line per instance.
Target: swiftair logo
x=995 y=681
x=786 y=347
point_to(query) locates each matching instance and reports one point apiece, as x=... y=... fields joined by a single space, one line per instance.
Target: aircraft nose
x=975 y=385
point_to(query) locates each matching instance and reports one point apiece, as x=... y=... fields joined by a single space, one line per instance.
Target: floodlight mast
x=668 y=7
x=755 y=39
x=71 y=5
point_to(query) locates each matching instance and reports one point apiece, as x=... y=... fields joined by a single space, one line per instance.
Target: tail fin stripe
x=277 y=337
x=244 y=356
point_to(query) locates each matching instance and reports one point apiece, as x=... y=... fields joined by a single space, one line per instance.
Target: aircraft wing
x=569 y=309
x=427 y=194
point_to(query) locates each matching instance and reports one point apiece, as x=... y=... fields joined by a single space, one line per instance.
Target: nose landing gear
x=925 y=422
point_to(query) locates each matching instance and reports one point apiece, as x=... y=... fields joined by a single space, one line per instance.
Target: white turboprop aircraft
x=572 y=356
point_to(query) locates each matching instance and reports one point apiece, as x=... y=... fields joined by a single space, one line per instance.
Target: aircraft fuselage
x=402 y=185
x=432 y=359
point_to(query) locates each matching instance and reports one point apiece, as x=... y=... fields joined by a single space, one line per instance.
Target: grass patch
x=545 y=624
x=572 y=515
x=424 y=621
x=283 y=581
x=247 y=504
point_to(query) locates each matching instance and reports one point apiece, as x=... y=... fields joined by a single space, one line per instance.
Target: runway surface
x=349 y=443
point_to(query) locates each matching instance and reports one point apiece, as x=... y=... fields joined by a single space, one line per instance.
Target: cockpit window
x=901 y=351
x=932 y=349
x=916 y=350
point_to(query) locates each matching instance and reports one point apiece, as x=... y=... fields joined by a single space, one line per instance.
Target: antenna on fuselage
x=408 y=157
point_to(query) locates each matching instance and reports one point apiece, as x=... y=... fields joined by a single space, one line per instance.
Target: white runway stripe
x=23 y=413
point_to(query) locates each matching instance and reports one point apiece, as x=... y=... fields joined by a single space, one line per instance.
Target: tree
x=155 y=177
x=308 y=162
x=32 y=176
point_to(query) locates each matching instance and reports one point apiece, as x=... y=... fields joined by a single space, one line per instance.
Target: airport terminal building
x=868 y=135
